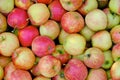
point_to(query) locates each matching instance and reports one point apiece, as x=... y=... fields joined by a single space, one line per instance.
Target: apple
x=61 y=54
x=1 y=72
x=62 y=36
x=74 y=44
x=115 y=33
x=102 y=40
x=88 y=6
x=113 y=19
x=17 y=18
x=38 y=13
x=23 y=4
x=87 y=33
x=102 y=3
x=41 y=78
x=50 y=28
x=75 y=70
x=27 y=34
x=23 y=58
x=35 y=70
x=6 y=6
x=114 y=6
x=72 y=22
x=114 y=71
x=80 y=57
x=56 y=10
x=20 y=75
x=43 y=45
x=71 y=5
x=3 y=23
x=49 y=66
x=44 y=1
x=96 y=20
x=8 y=43
x=97 y=74
x=93 y=57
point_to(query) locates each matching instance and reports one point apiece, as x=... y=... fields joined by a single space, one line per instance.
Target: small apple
x=71 y=5
x=102 y=3
x=1 y=73
x=8 y=43
x=44 y=1
x=102 y=40
x=96 y=20
x=50 y=28
x=41 y=78
x=74 y=44
x=3 y=23
x=27 y=34
x=56 y=10
x=93 y=57
x=43 y=45
x=72 y=22
x=38 y=13
x=75 y=70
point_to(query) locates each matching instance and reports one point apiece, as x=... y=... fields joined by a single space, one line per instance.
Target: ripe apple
x=27 y=34
x=114 y=6
x=56 y=10
x=43 y=45
x=38 y=13
x=74 y=44
x=49 y=66
x=41 y=78
x=72 y=22
x=115 y=70
x=75 y=70
x=102 y=40
x=6 y=6
x=96 y=20
x=17 y=18
x=44 y=1
x=93 y=57
x=8 y=43
x=108 y=59
x=115 y=34
x=35 y=70
x=88 y=6
x=71 y=5
x=3 y=23
x=23 y=58
x=97 y=74
x=1 y=72
x=61 y=54
x=102 y=3
x=50 y=28
x=113 y=19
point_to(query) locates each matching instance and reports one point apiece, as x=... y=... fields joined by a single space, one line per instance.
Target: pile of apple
x=59 y=39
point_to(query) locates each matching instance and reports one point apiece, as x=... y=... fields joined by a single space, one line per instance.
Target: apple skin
x=44 y=1
x=75 y=70
x=34 y=12
x=88 y=6
x=17 y=18
x=74 y=44
x=96 y=20
x=61 y=54
x=41 y=78
x=50 y=28
x=1 y=73
x=56 y=10
x=49 y=66
x=113 y=19
x=115 y=70
x=27 y=34
x=72 y=22
x=3 y=23
x=43 y=45
x=35 y=70
x=102 y=40
x=93 y=57
x=71 y=5
x=23 y=58
x=8 y=43
x=115 y=34
x=97 y=74
x=114 y=6
x=6 y=6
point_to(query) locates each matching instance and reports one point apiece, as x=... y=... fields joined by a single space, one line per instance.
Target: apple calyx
x=60 y=51
x=88 y=55
x=2 y=38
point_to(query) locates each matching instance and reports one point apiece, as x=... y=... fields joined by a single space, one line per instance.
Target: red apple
x=72 y=22
x=27 y=34
x=41 y=78
x=35 y=70
x=75 y=70
x=56 y=10
x=44 y=1
x=1 y=72
x=43 y=45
